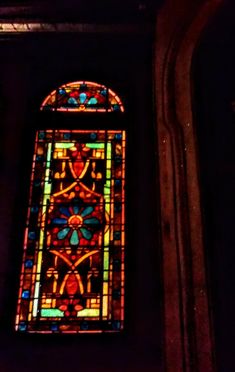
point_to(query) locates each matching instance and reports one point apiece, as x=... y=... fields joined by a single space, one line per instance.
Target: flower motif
x=70 y=307
x=76 y=223
x=80 y=151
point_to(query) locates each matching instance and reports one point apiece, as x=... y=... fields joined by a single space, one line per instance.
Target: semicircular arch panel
x=82 y=96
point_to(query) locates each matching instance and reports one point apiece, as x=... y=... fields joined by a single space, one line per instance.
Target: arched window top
x=82 y=96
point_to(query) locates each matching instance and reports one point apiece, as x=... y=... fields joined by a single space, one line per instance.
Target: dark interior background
x=214 y=79
x=31 y=67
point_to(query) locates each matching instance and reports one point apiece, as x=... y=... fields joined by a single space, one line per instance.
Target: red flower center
x=75 y=221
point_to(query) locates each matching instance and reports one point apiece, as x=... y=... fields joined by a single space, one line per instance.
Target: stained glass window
x=82 y=96
x=72 y=277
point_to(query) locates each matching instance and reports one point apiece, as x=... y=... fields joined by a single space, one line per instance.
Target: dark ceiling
x=105 y=11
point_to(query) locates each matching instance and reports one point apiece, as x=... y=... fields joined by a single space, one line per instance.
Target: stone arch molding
x=188 y=341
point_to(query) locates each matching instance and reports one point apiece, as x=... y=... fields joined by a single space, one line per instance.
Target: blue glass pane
x=54 y=327
x=65 y=211
x=87 y=211
x=116 y=294
x=39 y=158
x=67 y=136
x=25 y=294
x=76 y=209
x=34 y=209
x=74 y=240
x=118 y=207
x=86 y=233
x=72 y=101
x=104 y=92
x=82 y=97
x=116 y=107
x=118 y=136
x=37 y=183
x=62 y=233
x=93 y=136
x=118 y=159
x=116 y=324
x=22 y=326
x=84 y=326
x=59 y=221
x=32 y=235
x=92 y=221
x=28 y=264
x=117 y=235
x=92 y=101
x=41 y=135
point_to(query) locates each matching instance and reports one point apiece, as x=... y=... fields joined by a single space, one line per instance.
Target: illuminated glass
x=72 y=277
x=82 y=96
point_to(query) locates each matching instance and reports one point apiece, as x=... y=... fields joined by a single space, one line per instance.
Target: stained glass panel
x=82 y=96
x=72 y=277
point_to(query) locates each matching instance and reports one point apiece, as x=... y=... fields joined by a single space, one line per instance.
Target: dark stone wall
x=214 y=80
x=33 y=66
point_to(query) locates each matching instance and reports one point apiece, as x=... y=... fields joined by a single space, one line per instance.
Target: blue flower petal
x=92 y=101
x=91 y=221
x=65 y=211
x=86 y=233
x=76 y=209
x=74 y=240
x=72 y=101
x=82 y=97
x=87 y=211
x=60 y=221
x=62 y=233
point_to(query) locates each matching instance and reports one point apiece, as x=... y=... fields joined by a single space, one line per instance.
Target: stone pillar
x=188 y=341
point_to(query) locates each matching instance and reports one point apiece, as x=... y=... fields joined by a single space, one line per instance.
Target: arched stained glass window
x=82 y=96
x=72 y=278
